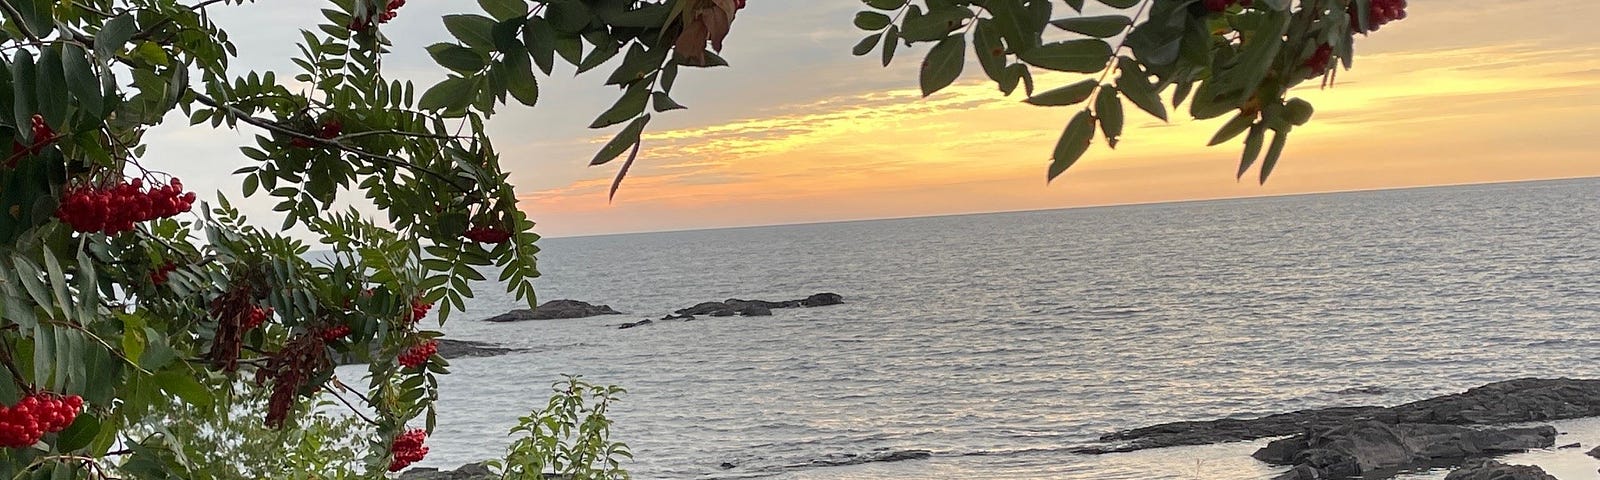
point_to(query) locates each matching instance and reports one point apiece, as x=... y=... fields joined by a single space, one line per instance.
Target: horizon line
x=1077 y=207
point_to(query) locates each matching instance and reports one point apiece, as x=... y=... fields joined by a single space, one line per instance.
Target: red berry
x=407 y=449
x=335 y=333
x=419 y=354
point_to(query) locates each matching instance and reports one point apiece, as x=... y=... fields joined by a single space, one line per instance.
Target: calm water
x=999 y=341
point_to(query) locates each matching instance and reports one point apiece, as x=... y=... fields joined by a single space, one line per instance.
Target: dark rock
x=822 y=300
x=838 y=460
x=1514 y=401
x=726 y=465
x=1366 y=390
x=471 y=471
x=556 y=309
x=1492 y=470
x=1594 y=453
x=706 y=308
x=640 y=323
x=1300 y=472
x=451 y=349
x=1371 y=446
x=755 y=308
x=1570 y=445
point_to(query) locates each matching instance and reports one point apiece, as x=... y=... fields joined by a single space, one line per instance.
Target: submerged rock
x=1372 y=446
x=1513 y=401
x=555 y=309
x=842 y=459
x=1492 y=470
x=640 y=323
x=754 y=308
x=1594 y=453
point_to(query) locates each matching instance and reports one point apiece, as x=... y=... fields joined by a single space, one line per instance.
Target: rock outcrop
x=743 y=308
x=1371 y=446
x=555 y=309
x=756 y=308
x=1492 y=470
x=471 y=471
x=1513 y=401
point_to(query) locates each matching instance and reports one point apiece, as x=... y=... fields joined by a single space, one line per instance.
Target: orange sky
x=1436 y=99
x=1463 y=91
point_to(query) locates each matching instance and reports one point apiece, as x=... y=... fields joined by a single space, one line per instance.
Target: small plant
x=570 y=438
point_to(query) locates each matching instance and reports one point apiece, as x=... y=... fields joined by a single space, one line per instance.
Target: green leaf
x=23 y=91
x=1297 y=112
x=53 y=99
x=987 y=46
x=885 y=4
x=82 y=80
x=1233 y=128
x=1101 y=26
x=116 y=33
x=1073 y=144
x=1108 y=107
x=943 y=64
x=504 y=9
x=1077 y=5
x=1014 y=23
x=1252 y=148
x=454 y=92
x=629 y=106
x=184 y=386
x=524 y=86
x=1120 y=3
x=867 y=45
x=1082 y=56
x=891 y=41
x=458 y=58
x=871 y=21
x=1067 y=95
x=1133 y=84
x=540 y=38
x=625 y=139
x=80 y=434
x=1280 y=138
x=664 y=103
x=477 y=31
x=568 y=16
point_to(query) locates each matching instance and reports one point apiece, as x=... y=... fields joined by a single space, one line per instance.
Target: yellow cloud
x=1458 y=115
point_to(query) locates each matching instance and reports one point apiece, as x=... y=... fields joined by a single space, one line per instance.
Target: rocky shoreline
x=1344 y=442
x=1362 y=441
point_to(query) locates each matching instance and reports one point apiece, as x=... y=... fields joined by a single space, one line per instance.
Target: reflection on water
x=998 y=341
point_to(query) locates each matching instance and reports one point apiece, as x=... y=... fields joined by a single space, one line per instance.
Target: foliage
x=178 y=329
x=1221 y=56
x=569 y=438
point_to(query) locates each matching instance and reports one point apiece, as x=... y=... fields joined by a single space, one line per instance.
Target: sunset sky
x=798 y=130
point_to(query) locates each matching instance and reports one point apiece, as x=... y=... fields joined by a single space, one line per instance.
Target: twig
x=16 y=17
x=273 y=126
x=353 y=408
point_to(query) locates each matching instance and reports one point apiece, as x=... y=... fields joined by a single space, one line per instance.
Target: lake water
x=1000 y=341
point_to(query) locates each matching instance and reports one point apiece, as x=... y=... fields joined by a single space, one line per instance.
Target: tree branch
x=280 y=129
x=16 y=17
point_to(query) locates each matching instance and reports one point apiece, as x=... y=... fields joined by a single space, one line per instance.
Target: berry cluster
x=1318 y=63
x=42 y=136
x=419 y=354
x=389 y=12
x=1380 y=13
x=158 y=276
x=335 y=333
x=495 y=235
x=34 y=416
x=330 y=129
x=1219 y=6
x=114 y=209
x=255 y=317
x=408 y=449
x=419 y=310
